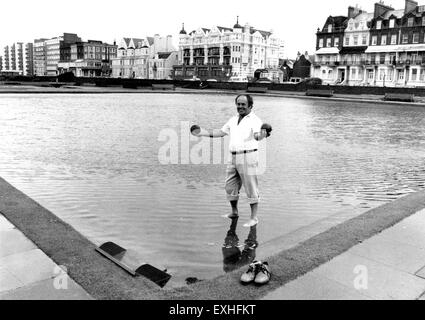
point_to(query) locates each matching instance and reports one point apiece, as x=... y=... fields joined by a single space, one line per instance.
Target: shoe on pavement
x=263 y=273
x=251 y=223
x=250 y=274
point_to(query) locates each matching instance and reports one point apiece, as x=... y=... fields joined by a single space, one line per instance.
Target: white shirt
x=242 y=134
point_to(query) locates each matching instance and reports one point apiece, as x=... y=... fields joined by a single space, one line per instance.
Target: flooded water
x=93 y=160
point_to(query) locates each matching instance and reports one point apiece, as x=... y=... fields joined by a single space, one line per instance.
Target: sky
x=295 y=22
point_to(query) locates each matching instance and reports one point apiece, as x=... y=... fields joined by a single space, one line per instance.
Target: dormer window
x=378 y=24
x=410 y=22
x=392 y=23
x=329 y=28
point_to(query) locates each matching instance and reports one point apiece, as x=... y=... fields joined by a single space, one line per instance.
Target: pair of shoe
x=258 y=271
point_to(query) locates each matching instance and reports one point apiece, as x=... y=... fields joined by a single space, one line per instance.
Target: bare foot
x=251 y=223
x=231 y=215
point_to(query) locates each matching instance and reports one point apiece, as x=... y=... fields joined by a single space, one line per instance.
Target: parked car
x=211 y=80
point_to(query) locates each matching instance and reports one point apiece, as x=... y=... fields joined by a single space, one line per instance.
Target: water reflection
x=233 y=256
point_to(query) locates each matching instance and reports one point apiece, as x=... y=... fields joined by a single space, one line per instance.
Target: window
x=336 y=42
x=390 y=74
x=394 y=39
x=400 y=74
x=378 y=24
x=414 y=74
x=422 y=75
x=381 y=74
x=353 y=73
x=356 y=39
x=405 y=38
x=374 y=40
x=347 y=41
x=392 y=23
x=370 y=75
x=320 y=44
x=328 y=42
x=329 y=28
x=410 y=22
x=364 y=39
x=416 y=37
x=423 y=20
x=384 y=40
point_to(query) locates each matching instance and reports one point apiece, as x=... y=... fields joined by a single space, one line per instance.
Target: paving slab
x=397 y=255
x=5 y=224
x=315 y=287
x=8 y=281
x=29 y=266
x=45 y=290
x=14 y=241
x=409 y=232
x=421 y=272
x=383 y=282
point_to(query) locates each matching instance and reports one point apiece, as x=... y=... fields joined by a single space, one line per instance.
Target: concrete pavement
x=27 y=273
x=389 y=265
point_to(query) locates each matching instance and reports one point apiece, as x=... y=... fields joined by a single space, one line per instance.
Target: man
x=244 y=130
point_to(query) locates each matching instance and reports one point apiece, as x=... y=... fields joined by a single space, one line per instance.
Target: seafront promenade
x=385 y=243
x=71 y=89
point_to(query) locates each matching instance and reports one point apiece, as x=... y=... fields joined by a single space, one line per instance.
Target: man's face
x=242 y=106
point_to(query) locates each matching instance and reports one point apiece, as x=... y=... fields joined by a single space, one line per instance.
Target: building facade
x=226 y=53
x=144 y=58
x=87 y=59
x=383 y=48
x=40 y=57
x=18 y=59
x=59 y=49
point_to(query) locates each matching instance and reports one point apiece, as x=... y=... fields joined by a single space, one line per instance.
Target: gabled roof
x=150 y=40
x=224 y=29
x=396 y=13
x=265 y=34
x=136 y=42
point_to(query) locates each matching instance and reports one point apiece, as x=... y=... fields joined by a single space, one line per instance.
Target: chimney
x=156 y=44
x=169 y=44
x=409 y=6
x=381 y=8
x=353 y=11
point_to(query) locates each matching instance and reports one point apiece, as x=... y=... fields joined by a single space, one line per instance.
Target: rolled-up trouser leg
x=247 y=169
x=233 y=183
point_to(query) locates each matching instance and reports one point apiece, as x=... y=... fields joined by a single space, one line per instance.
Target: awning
x=396 y=48
x=332 y=50
x=353 y=50
x=411 y=47
x=377 y=49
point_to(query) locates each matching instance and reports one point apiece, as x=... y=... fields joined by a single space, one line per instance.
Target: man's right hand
x=195 y=130
x=267 y=128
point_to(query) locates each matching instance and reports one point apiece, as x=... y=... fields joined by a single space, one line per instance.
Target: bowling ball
x=267 y=127
x=195 y=129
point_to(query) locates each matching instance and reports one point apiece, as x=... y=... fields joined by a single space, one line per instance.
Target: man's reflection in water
x=233 y=257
